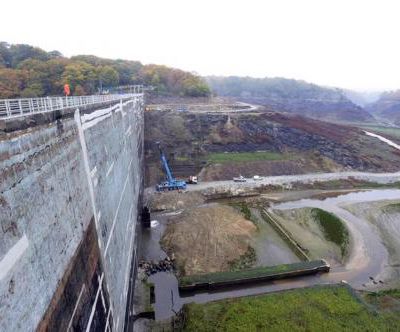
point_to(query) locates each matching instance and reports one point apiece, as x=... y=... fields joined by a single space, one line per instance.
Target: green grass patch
x=387 y=300
x=245 y=261
x=227 y=157
x=333 y=228
x=395 y=293
x=248 y=273
x=243 y=208
x=320 y=308
x=181 y=158
x=391 y=208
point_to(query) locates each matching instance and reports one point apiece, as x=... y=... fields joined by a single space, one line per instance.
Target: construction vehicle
x=170 y=182
x=192 y=180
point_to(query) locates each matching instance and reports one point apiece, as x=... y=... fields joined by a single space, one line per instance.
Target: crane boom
x=164 y=162
x=171 y=183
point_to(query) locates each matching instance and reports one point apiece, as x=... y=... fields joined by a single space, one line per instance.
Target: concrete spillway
x=70 y=190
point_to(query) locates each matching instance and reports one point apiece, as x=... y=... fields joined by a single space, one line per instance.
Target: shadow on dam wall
x=70 y=184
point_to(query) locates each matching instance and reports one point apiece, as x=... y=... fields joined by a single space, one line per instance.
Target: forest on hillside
x=27 y=71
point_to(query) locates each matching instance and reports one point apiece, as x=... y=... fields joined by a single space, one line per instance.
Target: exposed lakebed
x=368 y=257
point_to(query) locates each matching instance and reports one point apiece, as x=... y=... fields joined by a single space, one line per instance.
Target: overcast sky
x=351 y=44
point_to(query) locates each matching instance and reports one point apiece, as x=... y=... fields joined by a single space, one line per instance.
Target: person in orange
x=67 y=90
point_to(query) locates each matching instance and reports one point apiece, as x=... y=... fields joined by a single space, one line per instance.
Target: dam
x=70 y=196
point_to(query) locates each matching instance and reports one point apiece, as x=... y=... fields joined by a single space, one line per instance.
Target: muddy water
x=369 y=257
x=271 y=249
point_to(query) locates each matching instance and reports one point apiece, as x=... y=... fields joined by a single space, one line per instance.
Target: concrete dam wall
x=70 y=185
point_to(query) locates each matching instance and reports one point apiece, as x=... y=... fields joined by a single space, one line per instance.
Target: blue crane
x=170 y=182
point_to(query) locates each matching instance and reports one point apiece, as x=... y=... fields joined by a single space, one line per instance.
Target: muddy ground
x=385 y=216
x=307 y=232
x=208 y=238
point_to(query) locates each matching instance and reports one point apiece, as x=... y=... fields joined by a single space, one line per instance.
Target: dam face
x=70 y=184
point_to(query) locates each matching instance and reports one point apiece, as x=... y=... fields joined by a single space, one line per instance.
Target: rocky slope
x=190 y=138
x=286 y=95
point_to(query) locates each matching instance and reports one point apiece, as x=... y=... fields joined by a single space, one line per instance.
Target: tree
x=80 y=73
x=38 y=73
x=21 y=52
x=11 y=83
x=37 y=80
x=55 y=68
x=55 y=54
x=33 y=90
x=107 y=76
x=5 y=54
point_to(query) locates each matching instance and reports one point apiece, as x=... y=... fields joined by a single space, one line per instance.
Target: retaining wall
x=70 y=189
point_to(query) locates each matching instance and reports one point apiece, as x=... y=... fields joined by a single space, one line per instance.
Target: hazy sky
x=352 y=44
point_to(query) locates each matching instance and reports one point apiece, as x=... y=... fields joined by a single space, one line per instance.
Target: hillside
x=266 y=143
x=27 y=71
x=387 y=107
x=362 y=98
x=294 y=96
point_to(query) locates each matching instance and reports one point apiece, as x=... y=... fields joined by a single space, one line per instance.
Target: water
x=369 y=256
x=271 y=249
x=383 y=139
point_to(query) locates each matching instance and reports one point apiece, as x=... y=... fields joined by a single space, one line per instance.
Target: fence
x=25 y=106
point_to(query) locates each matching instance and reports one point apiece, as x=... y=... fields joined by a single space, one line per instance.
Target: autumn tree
x=11 y=82
x=107 y=76
x=80 y=73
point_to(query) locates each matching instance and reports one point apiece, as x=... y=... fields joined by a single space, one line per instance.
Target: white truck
x=239 y=179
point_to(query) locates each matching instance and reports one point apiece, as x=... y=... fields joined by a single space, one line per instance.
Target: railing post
x=8 y=107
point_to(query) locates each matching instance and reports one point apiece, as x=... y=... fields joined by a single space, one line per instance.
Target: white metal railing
x=25 y=106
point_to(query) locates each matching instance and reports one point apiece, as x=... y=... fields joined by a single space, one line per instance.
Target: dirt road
x=287 y=180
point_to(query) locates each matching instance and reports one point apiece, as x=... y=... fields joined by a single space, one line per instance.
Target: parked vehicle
x=192 y=180
x=239 y=179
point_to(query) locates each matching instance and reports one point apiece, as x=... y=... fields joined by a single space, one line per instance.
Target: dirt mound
x=207 y=238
